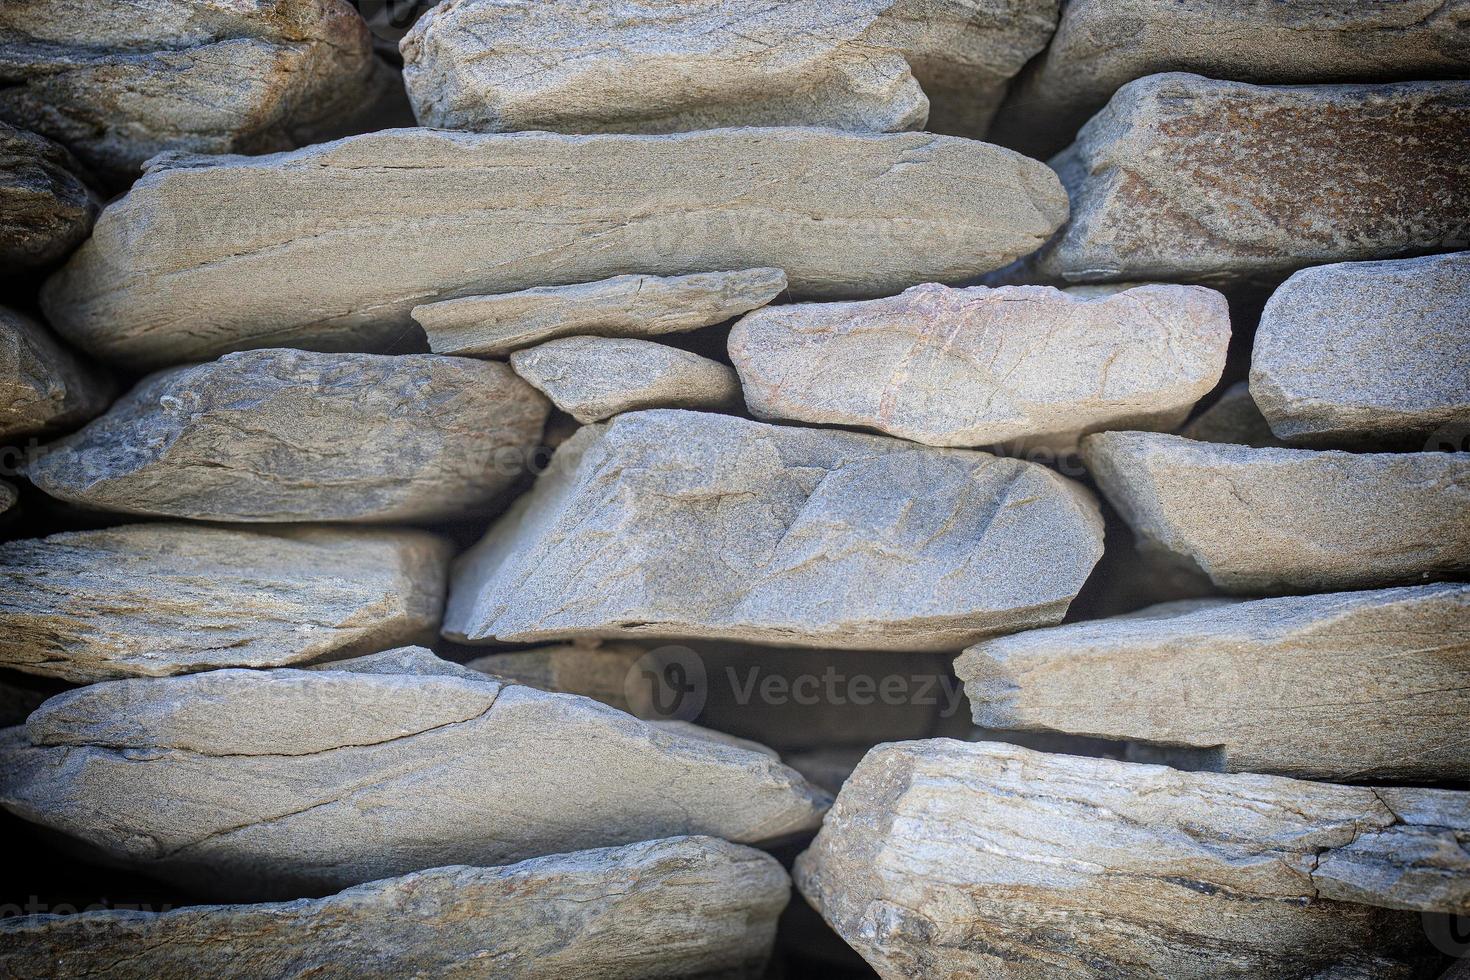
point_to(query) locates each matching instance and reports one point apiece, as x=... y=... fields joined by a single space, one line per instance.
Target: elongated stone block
x=944 y=858
x=158 y=599
x=678 y=907
x=1282 y=520
x=1234 y=417
x=286 y=435
x=118 y=85
x=984 y=367
x=281 y=783
x=1189 y=178
x=1101 y=45
x=308 y=251
x=1366 y=354
x=576 y=66
x=593 y=378
x=623 y=306
x=46 y=210
x=43 y=387
x=1351 y=686
x=675 y=524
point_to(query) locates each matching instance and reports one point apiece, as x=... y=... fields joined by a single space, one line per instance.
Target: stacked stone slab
x=46 y=209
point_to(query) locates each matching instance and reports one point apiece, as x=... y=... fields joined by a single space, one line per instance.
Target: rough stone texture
x=982 y=367
x=1183 y=177
x=623 y=306
x=1351 y=686
x=8 y=496
x=1100 y=45
x=1233 y=418
x=577 y=66
x=1273 y=520
x=285 y=435
x=593 y=378
x=300 y=241
x=118 y=84
x=157 y=599
x=286 y=782
x=945 y=858
x=1366 y=354
x=43 y=387
x=682 y=524
x=685 y=906
x=598 y=672
x=45 y=208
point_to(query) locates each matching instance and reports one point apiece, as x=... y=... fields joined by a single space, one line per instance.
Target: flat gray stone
x=1234 y=418
x=679 y=907
x=1366 y=354
x=286 y=435
x=282 y=783
x=1188 y=178
x=1352 y=686
x=1101 y=45
x=593 y=378
x=208 y=76
x=944 y=858
x=158 y=599
x=623 y=306
x=43 y=387
x=46 y=210
x=300 y=241
x=574 y=66
x=1289 y=520
x=673 y=524
x=1023 y=365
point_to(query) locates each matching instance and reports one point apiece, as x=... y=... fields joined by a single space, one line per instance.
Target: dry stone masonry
x=477 y=476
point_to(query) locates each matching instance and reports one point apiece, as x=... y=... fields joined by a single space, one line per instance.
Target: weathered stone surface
x=945 y=858
x=1183 y=177
x=43 y=387
x=680 y=907
x=1100 y=45
x=45 y=208
x=286 y=435
x=1366 y=354
x=281 y=783
x=8 y=496
x=623 y=306
x=300 y=241
x=574 y=66
x=1233 y=418
x=1350 y=686
x=120 y=85
x=676 y=524
x=598 y=672
x=593 y=378
x=157 y=599
x=1272 y=520
x=982 y=367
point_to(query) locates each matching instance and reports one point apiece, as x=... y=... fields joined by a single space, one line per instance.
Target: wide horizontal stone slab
x=45 y=208
x=286 y=435
x=43 y=387
x=1349 y=686
x=1274 y=520
x=1183 y=177
x=1101 y=45
x=568 y=66
x=300 y=240
x=940 y=858
x=678 y=907
x=1366 y=354
x=593 y=378
x=157 y=599
x=676 y=524
x=623 y=306
x=982 y=367
x=210 y=76
x=1233 y=417
x=282 y=783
